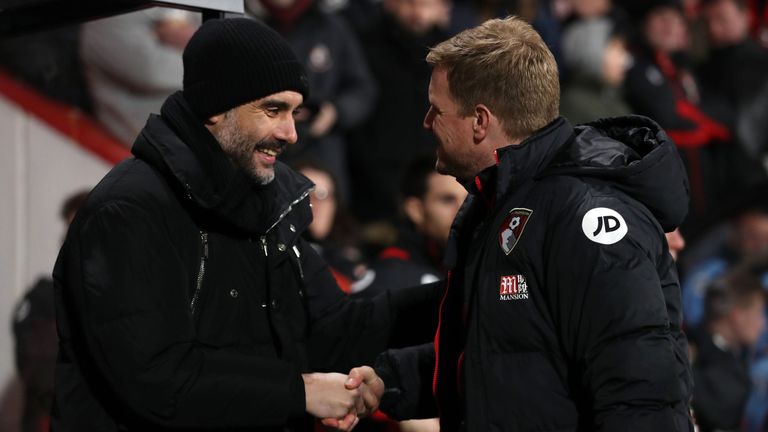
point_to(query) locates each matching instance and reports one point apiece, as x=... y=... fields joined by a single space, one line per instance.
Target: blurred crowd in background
x=382 y=215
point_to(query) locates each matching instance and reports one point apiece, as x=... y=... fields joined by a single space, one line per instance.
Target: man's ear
x=481 y=122
x=214 y=120
x=414 y=210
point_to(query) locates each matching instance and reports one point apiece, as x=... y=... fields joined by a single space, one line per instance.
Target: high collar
x=519 y=163
x=515 y=165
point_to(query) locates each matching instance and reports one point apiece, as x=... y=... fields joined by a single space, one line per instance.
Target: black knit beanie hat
x=232 y=61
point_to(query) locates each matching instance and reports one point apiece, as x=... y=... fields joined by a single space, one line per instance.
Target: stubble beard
x=240 y=150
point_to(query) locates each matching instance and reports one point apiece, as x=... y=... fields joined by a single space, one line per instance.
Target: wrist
x=307 y=380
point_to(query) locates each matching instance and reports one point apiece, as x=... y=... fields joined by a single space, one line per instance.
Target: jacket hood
x=635 y=154
x=202 y=172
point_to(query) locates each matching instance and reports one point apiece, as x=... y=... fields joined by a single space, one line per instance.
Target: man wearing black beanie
x=186 y=297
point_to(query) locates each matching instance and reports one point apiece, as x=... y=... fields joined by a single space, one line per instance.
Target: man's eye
x=448 y=200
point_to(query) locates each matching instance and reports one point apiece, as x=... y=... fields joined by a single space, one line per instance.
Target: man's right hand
x=328 y=398
x=371 y=389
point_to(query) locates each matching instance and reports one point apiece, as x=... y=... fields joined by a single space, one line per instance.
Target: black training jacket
x=187 y=299
x=562 y=311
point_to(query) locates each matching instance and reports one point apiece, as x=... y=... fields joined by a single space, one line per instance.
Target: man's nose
x=428 y=118
x=287 y=132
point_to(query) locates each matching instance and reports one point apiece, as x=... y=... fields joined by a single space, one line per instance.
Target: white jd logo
x=603 y=225
x=611 y=224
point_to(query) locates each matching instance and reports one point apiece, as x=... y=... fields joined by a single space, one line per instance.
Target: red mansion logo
x=513 y=287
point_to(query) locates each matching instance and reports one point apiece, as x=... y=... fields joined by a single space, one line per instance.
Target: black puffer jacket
x=186 y=297
x=563 y=306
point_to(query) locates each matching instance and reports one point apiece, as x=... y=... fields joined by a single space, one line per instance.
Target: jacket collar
x=516 y=164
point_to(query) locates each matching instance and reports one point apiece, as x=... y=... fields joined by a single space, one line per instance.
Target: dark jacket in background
x=572 y=322
x=658 y=87
x=412 y=261
x=49 y=62
x=383 y=147
x=722 y=385
x=734 y=77
x=186 y=297
x=34 y=331
x=337 y=73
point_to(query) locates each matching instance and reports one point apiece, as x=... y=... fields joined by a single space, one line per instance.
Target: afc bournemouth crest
x=512 y=228
x=513 y=287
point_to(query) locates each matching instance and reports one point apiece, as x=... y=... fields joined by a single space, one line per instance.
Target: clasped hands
x=339 y=400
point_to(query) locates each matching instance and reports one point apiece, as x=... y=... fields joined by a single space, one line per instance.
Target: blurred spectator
x=12 y=405
x=734 y=320
x=430 y=203
x=736 y=73
x=72 y=205
x=660 y=85
x=698 y=47
x=132 y=62
x=474 y=12
x=420 y=16
x=342 y=88
x=546 y=16
x=586 y=9
x=758 y=21
x=483 y=10
x=48 y=61
x=360 y=14
x=332 y=232
x=597 y=60
x=382 y=148
x=548 y=22
x=34 y=331
x=675 y=243
x=747 y=237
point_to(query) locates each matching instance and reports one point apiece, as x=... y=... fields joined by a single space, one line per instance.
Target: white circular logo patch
x=603 y=225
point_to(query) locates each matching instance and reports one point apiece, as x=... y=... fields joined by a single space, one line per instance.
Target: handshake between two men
x=342 y=400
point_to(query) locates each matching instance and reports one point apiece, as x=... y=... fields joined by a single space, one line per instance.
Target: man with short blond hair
x=504 y=65
x=562 y=304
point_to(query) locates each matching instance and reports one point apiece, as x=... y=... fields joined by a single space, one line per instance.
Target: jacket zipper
x=281 y=217
x=298 y=261
x=289 y=208
x=200 y=273
x=204 y=257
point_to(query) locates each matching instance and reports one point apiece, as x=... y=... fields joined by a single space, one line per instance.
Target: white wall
x=39 y=168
